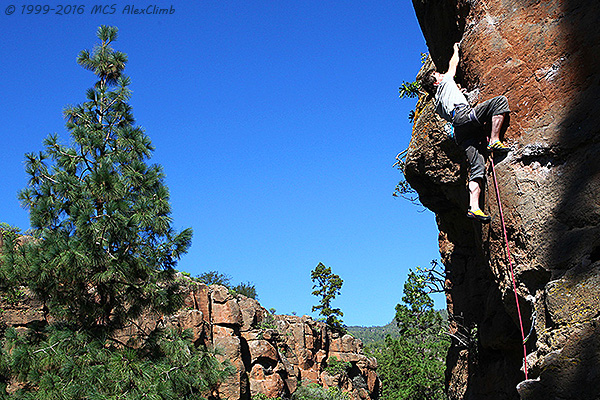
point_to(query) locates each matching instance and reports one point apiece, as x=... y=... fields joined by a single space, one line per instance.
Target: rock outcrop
x=544 y=57
x=272 y=354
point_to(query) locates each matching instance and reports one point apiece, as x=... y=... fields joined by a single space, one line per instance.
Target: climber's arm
x=453 y=61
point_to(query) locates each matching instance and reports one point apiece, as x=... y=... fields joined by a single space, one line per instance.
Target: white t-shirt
x=447 y=97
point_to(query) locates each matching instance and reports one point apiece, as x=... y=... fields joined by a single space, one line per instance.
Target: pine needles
x=102 y=253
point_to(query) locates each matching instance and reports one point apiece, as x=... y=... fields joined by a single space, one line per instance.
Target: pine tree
x=411 y=366
x=103 y=252
x=215 y=278
x=66 y=364
x=327 y=286
x=106 y=250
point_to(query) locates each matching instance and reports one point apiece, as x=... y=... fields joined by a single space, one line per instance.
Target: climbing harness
x=512 y=275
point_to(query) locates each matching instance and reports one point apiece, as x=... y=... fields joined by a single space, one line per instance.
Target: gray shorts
x=469 y=134
x=476 y=163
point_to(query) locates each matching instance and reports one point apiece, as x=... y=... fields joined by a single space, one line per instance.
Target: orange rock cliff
x=272 y=354
x=544 y=57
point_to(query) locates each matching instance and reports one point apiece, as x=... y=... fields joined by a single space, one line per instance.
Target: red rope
x=512 y=275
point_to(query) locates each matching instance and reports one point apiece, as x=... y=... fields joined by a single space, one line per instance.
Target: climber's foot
x=498 y=147
x=479 y=216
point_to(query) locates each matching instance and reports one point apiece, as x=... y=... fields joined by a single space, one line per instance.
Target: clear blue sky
x=276 y=123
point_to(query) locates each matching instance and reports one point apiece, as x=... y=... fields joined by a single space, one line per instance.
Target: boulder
x=23 y=310
x=194 y=321
x=261 y=349
x=227 y=311
x=229 y=345
x=271 y=385
x=252 y=313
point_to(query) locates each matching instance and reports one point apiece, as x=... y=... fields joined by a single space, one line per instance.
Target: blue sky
x=276 y=123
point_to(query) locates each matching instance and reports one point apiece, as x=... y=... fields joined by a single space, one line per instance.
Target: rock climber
x=452 y=105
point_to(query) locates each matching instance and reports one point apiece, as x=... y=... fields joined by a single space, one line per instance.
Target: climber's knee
x=476 y=163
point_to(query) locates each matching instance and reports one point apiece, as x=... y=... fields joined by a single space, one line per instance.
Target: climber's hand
x=453 y=61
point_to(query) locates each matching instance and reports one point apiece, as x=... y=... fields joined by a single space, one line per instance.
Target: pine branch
x=87 y=162
x=459 y=339
x=52 y=347
x=47 y=177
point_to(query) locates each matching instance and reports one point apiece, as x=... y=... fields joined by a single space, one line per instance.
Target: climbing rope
x=512 y=275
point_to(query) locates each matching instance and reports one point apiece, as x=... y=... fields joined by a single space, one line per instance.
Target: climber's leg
x=495 y=143
x=497 y=121
x=475 y=189
x=474 y=194
x=476 y=181
x=494 y=110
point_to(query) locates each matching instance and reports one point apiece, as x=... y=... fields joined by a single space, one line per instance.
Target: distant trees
x=326 y=287
x=216 y=278
x=411 y=365
x=246 y=289
x=374 y=335
x=313 y=391
x=102 y=253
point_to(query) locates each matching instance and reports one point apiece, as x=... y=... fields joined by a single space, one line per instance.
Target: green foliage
x=412 y=90
x=403 y=188
x=371 y=335
x=409 y=90
x=313 y=391
x=326 y=287
x=6 y=229
x=214 y=278
x=246 y=289
x=10 y=279
x=268 y=322
x=411 y=366
x=102 y=252
x=106 y=249
x=62 y=363
x=262 y=396
x=335 y=366
x=416 y=317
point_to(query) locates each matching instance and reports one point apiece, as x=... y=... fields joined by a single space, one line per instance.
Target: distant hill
x=373 y=334
x=376 y=334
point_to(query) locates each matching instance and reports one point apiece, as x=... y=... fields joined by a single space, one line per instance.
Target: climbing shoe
x=479 y=216
x=498 y=147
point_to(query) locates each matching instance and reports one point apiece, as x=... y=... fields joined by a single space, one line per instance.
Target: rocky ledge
x=272 y=354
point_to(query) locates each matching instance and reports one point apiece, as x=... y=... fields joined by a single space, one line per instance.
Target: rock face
x=544 y=57
x=272 y=354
